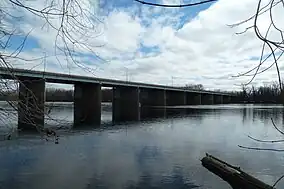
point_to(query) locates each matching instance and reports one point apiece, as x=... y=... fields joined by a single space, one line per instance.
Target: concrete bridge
x=132 y=101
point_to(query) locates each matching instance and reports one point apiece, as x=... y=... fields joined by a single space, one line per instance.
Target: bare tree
x=74 y=23
x=275 y=46
x=199 y=87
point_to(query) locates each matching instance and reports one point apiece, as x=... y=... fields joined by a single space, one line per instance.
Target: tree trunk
x=237 y=178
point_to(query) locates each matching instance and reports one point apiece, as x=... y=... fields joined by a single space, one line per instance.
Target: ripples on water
x=162 y=153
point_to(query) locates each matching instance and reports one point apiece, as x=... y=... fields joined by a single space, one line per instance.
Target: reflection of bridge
x=131 y=100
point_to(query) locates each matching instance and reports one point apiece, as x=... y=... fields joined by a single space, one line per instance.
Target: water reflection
x=159 y=153
x=173 y=180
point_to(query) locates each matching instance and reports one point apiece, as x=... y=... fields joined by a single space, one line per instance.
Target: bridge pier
x=125 y=104
x=153 y=102
x=175 y=98
x=226 y=99
x=193 y=98
x=87 y=104
x=218 y=99
x=207 y=99
x=31 y=103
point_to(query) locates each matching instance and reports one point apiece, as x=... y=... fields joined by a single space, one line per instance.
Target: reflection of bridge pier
x=132 y=101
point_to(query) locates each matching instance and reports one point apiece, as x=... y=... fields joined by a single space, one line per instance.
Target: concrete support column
x=218 y=99
x=153 y=102
x=226 y=99
x=193 y=98
x=87 y=104
x=175 y=98
x=31 y=103
x=184 y=98
x=207 y=99
x=125 y=104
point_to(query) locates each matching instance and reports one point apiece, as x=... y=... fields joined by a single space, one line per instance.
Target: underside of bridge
x=129 y=103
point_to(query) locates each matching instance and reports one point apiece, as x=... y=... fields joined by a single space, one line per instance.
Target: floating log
x=237 y=178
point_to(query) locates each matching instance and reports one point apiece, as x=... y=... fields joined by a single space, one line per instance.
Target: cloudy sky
x=130 y=41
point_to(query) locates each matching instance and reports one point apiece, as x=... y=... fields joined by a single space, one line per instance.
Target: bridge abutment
x=31 y=103
x=153 y=102
x=87 y=104
x=125 y=104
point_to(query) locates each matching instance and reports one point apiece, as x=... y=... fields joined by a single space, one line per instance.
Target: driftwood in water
x=237 y=178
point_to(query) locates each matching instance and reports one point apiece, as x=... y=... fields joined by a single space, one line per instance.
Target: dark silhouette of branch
x=271 y=44
x=277 y=181
x=261 y=149
x=175 y=6
x=77 y=26
x=249 y=71
x=268 y=141
x=274 y=125
x=263 y=10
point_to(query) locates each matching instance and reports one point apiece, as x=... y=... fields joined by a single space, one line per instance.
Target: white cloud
x=122 y=32
x=202 y=49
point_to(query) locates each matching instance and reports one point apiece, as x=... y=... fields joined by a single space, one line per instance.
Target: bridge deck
x=14 y=73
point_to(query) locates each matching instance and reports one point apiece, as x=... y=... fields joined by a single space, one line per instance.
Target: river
x=161 y=153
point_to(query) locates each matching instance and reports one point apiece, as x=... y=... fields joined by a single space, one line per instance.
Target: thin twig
x=175 y=6
x=268 y=141
x=261 y=149
x=274 y=125
x=278 y=181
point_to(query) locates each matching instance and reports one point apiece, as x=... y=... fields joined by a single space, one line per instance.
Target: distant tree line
x=199 y=87
x=262 y=94
x=59 y=95
x=8 y=95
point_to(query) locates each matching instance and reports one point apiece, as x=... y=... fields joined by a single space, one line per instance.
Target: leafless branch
x=175 y=6
x=272 y=45
x=268 y=141
x=274 y=125
x=261 y=149
x=77 y=26
x=277 y=181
